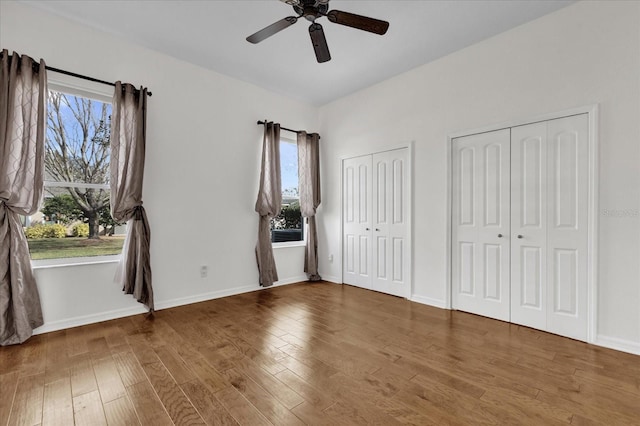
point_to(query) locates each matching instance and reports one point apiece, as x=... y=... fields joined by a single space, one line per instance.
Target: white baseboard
x=294 y=280
x=332 y=279
x=159 y=305
x=89 y=319
x=618 y=344
x=429 y=301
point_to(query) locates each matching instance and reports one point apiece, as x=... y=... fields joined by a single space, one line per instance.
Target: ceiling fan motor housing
x=311 y=9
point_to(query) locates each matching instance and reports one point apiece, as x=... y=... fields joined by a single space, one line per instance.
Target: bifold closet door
x=527 y=185
x=480 y=224
x=549 y=222
x=375 y=222
x=389 y=230
x=356 y=205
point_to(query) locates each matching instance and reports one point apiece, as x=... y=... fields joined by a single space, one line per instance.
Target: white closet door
x=481 y=194
x=549 y=212
x=357 y=247
x=567 y=222
x=390 y=252
x=529 y=225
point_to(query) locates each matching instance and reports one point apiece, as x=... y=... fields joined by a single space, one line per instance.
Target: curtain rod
x=73 y=74
x=84 y=77
x=284 y=128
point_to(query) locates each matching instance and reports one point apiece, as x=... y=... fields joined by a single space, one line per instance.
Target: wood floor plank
x=174 y=400
x=120 y=412
x=312 y=396
x=148 y=407
x=129 y=368
x=265 y=402
x=8 y=385
x=175 y=364
x=28 y=400
x=208 y=375
x=208 y=406
x=58 y=403
x=83 y=380
x=283 y=393
x=88 y=410
x=314 y=354
x=240 y=408
x=312 y=415
x=108 y=379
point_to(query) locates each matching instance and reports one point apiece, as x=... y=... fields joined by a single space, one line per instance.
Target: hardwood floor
x=314 y=354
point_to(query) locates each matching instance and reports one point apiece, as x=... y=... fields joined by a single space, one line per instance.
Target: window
x=288 y=225
x=75 y=220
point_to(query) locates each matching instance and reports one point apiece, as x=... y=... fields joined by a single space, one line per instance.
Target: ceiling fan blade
x=319 y=43
x=352 y=20
x=272 y=29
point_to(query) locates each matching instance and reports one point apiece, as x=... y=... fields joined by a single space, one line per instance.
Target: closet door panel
x=357 y=244
x=567 y=226
x=390 y=222
x=528 y=225
x=480 y=206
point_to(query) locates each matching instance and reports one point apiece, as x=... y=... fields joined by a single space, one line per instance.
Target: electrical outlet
x=330 y=258
x=204 y=271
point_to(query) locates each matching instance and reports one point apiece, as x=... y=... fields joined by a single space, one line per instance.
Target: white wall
x=584 y=54
x=201 y=175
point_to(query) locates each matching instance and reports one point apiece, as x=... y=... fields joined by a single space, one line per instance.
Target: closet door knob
x=366 y=229
x=499 y=235
x=520 y=236
x=377 y=230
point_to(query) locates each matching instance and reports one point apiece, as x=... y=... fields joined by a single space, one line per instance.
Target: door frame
x=409 y=147
x=592 y=112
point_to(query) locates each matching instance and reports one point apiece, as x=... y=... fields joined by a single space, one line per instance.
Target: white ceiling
x=212 y=34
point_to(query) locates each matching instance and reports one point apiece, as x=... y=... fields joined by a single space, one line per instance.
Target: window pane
x=78 y=135
x=75 y=220
x=288 y=225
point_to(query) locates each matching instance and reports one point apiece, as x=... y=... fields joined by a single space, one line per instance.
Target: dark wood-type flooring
x=314 y=354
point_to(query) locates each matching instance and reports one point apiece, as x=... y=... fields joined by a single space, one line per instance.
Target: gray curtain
x=128 y=137
x=23 y=100
x=309 y=187
x=269 y=202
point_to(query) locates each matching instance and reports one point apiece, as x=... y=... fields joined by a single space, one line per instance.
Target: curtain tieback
x=138 y=212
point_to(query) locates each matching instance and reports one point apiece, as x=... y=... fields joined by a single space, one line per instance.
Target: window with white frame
x=288 y=226
x=75 y=220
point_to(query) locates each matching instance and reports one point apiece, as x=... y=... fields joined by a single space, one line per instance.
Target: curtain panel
x=309 y=187
x=269 y=202
x=128 y=139
x=23 y=101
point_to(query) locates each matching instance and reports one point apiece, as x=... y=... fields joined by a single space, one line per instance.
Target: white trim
x=618 y=344
x=409 y=289
x=89 y=319
x=340 y=237
x=65 y=262
x=332 y=279
x=592 y=112
x=448 y=301
x=289 y=244
x=60 y=184
x=79 y=87
x=409 y=146
x=588 y=109
x=442 y=304
x=171 y=303
x=593 y=223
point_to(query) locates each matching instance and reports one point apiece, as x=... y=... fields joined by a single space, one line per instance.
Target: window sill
x=288 y=244
x=73 y=261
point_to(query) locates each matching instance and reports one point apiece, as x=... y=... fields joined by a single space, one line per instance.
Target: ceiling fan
x=312 y=10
